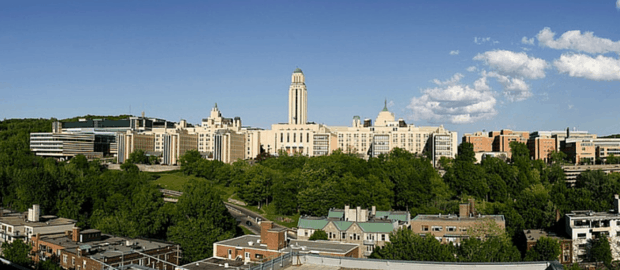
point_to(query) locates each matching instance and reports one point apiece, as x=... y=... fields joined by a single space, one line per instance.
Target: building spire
x=385 y=109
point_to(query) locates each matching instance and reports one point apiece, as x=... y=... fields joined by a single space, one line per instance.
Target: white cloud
x=454 y=102
x=514 y=64
x=576 y=41
x=390 y=104
x=601 y=68
x=454 y=52
x=570 y=106
x=481 y=40
x=618 y=4
x=455 y=79
x=527 y=41
x=515 y=89
x=472 y=69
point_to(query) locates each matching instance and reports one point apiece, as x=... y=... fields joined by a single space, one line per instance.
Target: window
x=383 y=237
x=451 y=229
x=344 y=236
x=258 y=256
x=64 y=259
x=72 y=260
x=425 y=228
x=83 y=264
x=581 y=235
x=437 y=228
x=247 y=255
x=230 y=252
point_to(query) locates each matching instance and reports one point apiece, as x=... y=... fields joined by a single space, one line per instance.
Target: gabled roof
x=316 y=224
x=342 y=225
x=376 y=227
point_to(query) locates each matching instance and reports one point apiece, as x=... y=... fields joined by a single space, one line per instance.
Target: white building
x=583 y=226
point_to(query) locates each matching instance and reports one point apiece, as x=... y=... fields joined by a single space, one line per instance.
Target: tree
x=17 y=252
x=138 y=157
x=600 y=251
x=545 y=249
x=318 y=235
x=405 y=245
x=201 y=219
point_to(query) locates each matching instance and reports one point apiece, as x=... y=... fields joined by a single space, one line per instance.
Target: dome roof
x=298 y=70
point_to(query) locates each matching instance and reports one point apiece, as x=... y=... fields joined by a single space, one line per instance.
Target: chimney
x=463 y=210
x=617 y=203
x=346 y=212
x=1 y=212
x=472 y=206
x=75 y=235
x=358 y=213
x=373 y=211
x=36 y=212
x=265 y=226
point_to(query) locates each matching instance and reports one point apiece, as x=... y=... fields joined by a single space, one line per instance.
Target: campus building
x=90 y=249
x=495 y=141
x=368 y=229
x=362 y=138
x=453 y=228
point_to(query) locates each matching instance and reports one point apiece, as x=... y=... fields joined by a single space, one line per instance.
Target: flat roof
x=585 y=214
x=297 y=245
x=213 y=264
x=455 y=218
x=108 y=246
x=533 y=235
x=17 y=219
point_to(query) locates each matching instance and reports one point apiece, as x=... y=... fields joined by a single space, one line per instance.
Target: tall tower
x=297 y=99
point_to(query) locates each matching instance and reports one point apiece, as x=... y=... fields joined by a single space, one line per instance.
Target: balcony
x=369 y=242
x=367 y=253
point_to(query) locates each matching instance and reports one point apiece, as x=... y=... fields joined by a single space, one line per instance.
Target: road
x=245 y=217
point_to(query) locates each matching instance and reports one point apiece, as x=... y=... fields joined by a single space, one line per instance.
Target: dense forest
x=529 y=193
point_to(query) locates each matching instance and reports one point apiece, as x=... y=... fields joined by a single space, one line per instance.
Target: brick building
x=91 y=250
x=453 y=228
x=273 y=243
x=566 y=251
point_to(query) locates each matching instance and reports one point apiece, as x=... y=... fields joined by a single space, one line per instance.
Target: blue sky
x=469 y=65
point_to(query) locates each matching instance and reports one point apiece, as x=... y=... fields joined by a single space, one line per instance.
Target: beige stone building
x=362 y=138
x=453 y=228
x=225 y=139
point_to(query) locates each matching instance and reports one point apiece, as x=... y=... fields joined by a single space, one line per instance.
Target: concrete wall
x=410 y=265
x=147 y=168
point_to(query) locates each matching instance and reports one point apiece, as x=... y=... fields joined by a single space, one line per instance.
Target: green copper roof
x=298 y=70
x=342 y=225
x=385 y=109
x=335 y=214
x=399 y=217
x=370 y=227
x=382 y=213
x=316 y=224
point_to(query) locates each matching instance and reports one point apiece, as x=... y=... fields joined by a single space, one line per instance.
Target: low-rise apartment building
x=368 y=229
x=585 y=225
x=453 y=228
x=90 y=249
x=566 y=244
x=24 y=225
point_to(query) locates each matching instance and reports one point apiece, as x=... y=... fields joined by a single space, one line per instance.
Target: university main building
x=225 y=139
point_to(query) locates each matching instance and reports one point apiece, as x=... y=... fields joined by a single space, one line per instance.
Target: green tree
x=318 y=235
x=200 y=220
x=138 y=157
x=600 y=251
x=17 y=252
x=405 y=245
x=545 y=249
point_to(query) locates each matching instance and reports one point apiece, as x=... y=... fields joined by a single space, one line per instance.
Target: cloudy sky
x=469 y=65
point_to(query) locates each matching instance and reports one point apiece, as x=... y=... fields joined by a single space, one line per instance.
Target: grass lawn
x=269 y=212
x=175 y=180
x=245 y=230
